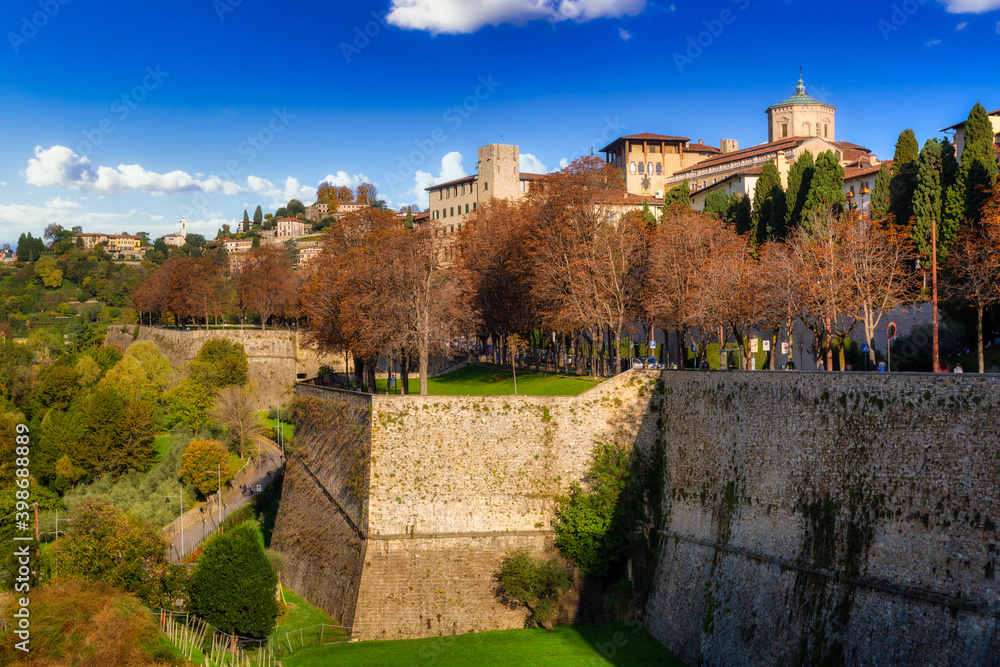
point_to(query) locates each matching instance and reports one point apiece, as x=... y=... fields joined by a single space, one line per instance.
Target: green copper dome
x=800 y=97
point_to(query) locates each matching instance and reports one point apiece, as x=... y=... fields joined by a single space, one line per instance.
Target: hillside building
x=177 y=239
x=959 y=130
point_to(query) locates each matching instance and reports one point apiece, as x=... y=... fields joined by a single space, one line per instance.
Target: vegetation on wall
x=534 y=584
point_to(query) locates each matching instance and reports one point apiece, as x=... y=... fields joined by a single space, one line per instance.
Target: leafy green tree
x=591 y=528
x=282 y=212
x=295 y=208
x=904 y=177
x=768 y=195
x=188 y=402
x=29 y=249
x=949 y=165
x=799 y=182
x=220 y=363
x=47 y=268
x=679 y=194
x=104 y=544
x=106 y=356
x=879 y=201
x=233 y=585
x=87 y=371
x=115 y=433
x=56 y=386
x=927 y=203
x=258 y=217
x=977 y=172
x=717 y=204
x=143 y=373
x=535 y=584
x=826 y=189
x=200 y=465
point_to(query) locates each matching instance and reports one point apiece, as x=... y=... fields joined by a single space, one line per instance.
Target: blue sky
x=127 y=116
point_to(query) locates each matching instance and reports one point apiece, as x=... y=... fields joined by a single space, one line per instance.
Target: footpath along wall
x=808 y=518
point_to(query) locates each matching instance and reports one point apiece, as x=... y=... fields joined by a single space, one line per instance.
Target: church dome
x=800 y=97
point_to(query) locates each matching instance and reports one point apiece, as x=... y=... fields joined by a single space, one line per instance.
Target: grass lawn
x=492 y=380
x=162 y=444
x=286 y=424
x=597 y=644
x=299 y=614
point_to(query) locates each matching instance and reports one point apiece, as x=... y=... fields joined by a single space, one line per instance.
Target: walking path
x=232 y=500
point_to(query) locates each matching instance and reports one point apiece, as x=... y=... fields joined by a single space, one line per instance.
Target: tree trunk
x=359 y=373
x=723 y=358
x=843 y=353
x=979 y=337
x=422 y=351
x=404 y=375
x=618 y=351
x=829 y=343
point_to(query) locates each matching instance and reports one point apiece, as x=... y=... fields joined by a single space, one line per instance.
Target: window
x=649 y=168
x=659 y=168
x=631 y=167
x=452 y=213
x=453 y=229
x=826 y=131
x=463 y=190
x=473 y=206
x=520 y=185
x=784 y=130
x=641 y=167
x=486 y=186
x=440 y=195
x=448 y=195
x=466 y=210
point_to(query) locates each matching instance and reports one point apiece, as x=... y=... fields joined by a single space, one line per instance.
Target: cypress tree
x=246 y=220
x=647 y=216
x=776 y=226
x=799 y=181
x=768 y=184
x=826 y=189
x=233 y=585
x=927 y=201
x=879 y=202
x=741 y=214
x=949 y=165
x=408 y=223
x=904 y=177
x=258 y=217
x=978 y=170
x=717 y=204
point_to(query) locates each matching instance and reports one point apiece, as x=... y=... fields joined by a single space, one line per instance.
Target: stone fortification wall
x=451 y=485
x=808 y=518
x=820 y=518
x=275 y=357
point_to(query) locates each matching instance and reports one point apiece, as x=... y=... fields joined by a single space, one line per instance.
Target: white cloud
x=971 y=6
x=3 y=183
x=624 y=34
x=532 y=164
x=281 y=194
x=60 y=167
x=59 y=202
x=19 y=218
x=962 y=26
x=451 y=168
x=343 y=178
x=467 y=16
x=155 y=218
x=933 y=42
x=563 y=163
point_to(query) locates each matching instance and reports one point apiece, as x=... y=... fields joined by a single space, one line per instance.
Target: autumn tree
x=195 y=287
x=495 y=269
x=777 y=299
x=344 y=194
x=267 y=285
x=203 y=463
x=326 y=193
x=973 y=268
x=366 y=193
x=234 y=409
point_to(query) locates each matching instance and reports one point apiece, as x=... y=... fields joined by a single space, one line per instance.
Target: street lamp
x=218 y=473
x=179 y=496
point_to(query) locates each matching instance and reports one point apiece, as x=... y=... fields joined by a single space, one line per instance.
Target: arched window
x=806 y=129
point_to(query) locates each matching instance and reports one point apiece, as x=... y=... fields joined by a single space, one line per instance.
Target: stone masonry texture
x=808 y=518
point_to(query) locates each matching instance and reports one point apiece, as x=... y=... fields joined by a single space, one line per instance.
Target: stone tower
x=184 y=227
x=801 y=116
x=499 y=172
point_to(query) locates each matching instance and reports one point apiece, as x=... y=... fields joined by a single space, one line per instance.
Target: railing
x=221 y=649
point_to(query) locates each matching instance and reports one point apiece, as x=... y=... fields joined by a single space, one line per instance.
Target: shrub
x=106 y=545
x=220 y=363
x=594 y=525
x=202 y=463
x=233 y=585
x=534 y=584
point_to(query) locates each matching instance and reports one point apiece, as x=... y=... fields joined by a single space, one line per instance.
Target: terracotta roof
x=642 y=137
x=995 y=112
x=304 y=222
x=743 y=153
x=858 y=172
x=700 y=147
